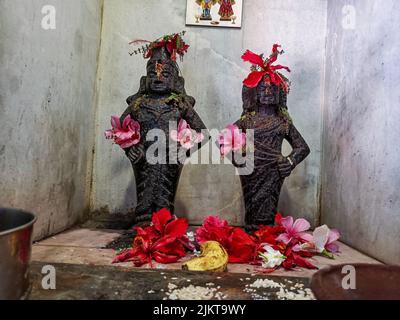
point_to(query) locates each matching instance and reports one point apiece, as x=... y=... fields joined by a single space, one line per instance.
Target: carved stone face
x=160 y=77
x=267 y=94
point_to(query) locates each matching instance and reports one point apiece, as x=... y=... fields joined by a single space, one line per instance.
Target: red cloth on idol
x=225 y=9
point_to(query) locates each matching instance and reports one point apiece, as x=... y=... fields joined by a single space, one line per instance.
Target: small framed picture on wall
x=214 y=13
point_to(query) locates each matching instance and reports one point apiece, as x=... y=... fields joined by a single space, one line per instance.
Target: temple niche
x=199 y=149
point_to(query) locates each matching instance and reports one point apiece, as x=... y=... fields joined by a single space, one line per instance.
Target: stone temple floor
x=82 y=251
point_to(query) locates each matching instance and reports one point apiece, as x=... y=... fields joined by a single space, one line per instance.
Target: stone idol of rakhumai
x=265 y=111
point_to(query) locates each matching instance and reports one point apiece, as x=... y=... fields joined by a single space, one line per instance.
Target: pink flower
x=331 y=246
x=321 y=241
x=125 y=135
x=185 y=135
x=231 y=139
x=294 y=230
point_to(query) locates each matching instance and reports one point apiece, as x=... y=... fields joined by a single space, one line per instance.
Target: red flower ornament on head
x=263 y=67
x=173 y=43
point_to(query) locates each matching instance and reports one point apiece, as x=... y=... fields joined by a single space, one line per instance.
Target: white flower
x=190 y=236
x=271 y=258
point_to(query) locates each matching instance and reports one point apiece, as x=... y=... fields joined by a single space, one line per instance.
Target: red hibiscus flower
x=165 y=241
x=261 y=68
x=240 y=246
x=215 y=229
x=268 y=234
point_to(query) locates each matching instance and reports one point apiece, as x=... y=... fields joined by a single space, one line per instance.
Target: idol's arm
x=300 y=147
x=195 y=123
x=193 y=119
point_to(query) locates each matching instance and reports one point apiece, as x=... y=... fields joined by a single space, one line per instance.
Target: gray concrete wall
x=47 y=81
x=214 y=72
x=361 y=171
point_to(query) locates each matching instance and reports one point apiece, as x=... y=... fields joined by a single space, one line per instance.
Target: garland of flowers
x=172 y=98
x=287 y=244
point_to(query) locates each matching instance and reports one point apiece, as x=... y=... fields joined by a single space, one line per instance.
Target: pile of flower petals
x=287 y=244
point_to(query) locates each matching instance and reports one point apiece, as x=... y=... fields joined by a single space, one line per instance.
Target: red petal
x=274 y=54
x=147 y=232
x=151 y=233
x=241 y=247
x=160 y=219
x=278 y=67
x=176 y=228
x=124 y=256
x=175 y=248
x=163 y=242
x=215 y=221
x=253 y=58
x=214 y=229
x=301 y=262
x=278 y=219
x=253 y=79
x=135 y=254
x=273 y=78
x=164 y=258
x=170 y=46
x=141 y=259
x=202 y=235
x=288 y=264
x=306 y=254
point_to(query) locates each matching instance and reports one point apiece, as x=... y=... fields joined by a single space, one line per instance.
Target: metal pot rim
x=24 y=226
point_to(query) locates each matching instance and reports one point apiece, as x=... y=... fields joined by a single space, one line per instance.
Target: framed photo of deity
x=214 y=13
